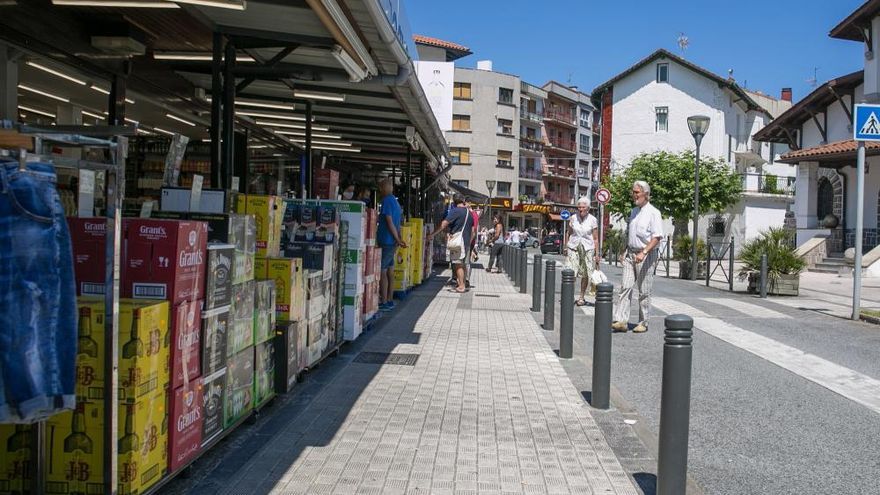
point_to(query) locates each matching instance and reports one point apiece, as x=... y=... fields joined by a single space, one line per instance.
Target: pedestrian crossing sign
x=867 y=123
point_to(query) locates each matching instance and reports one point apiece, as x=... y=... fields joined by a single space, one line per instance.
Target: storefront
x=219 y=139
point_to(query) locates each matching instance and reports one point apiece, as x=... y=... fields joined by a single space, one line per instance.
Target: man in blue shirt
x=388 y=238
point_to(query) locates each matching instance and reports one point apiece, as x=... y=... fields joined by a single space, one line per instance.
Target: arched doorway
x=824 y=200
x=829 y=199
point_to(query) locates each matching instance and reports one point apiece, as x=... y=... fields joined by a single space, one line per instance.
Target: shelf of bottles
x=147 y=164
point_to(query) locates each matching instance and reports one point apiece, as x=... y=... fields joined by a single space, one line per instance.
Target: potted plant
x=784 y=266
x=682 y=252
x=612 y=245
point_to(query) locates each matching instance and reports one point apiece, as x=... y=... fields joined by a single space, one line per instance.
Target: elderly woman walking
x=583 y=237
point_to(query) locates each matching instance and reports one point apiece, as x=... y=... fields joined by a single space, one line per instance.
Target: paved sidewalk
x=487 y=408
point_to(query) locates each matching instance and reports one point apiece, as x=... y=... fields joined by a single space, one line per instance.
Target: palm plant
x=782 y=258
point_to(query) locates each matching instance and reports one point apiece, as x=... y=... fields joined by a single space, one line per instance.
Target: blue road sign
x=867 y=123
x=565 y=214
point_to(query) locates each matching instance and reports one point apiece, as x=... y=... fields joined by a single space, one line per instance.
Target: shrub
x=681 y=249
x=782 y=258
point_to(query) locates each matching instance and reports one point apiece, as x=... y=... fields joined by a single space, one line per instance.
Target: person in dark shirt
x=458 y=220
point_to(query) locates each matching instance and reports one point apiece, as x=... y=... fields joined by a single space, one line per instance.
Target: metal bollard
x=675 y=403
x=549 y=294
x=514 y=273
x=523 y=271
x=730 y=265
x=536 y=283
x=602 y=346
x=508 y=260
x=566 y=315
x=764 y=276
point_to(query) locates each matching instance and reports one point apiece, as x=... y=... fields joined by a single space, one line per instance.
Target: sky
x=769 y=44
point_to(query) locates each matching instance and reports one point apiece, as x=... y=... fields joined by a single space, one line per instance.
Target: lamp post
x=490 y=185
x=698 y=125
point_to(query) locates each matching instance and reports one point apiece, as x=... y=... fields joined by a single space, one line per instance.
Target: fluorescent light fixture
x=34 y=110
x=312 y=95
x=100 y=89
x=232 y=4
x=315 y=135
x=324 y=143
x=197 y=56
x=356 y=73
x=129 y=101
x=116 y=3
x=43 y=93
x=260 y=104
x=258 y=146
x=56 y=73
x=93 y=115
x=132 y=121
x=163 y=131
x=330 y=148
x=352 y=35
x=142 y=131
x=317 y=128
x=174 y=117
x=248 y=113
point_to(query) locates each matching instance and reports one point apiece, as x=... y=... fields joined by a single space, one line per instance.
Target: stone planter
x=786 y=285
x=684 y=270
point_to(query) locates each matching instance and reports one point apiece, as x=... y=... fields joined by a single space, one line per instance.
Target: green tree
x=671 y=177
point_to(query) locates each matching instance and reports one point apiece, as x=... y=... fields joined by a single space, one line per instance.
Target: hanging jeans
x=38 y=333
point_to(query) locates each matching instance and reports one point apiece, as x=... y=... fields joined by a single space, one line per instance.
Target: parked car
x=552 y=243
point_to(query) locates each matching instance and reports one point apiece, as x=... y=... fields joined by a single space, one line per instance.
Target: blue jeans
x=38 y=316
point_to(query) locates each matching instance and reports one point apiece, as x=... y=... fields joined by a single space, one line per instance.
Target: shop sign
x=528 y=208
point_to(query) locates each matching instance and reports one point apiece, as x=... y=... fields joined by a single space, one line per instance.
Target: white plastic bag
x=598 y=277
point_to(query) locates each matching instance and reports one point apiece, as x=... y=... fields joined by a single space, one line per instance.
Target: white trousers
x=642 y=276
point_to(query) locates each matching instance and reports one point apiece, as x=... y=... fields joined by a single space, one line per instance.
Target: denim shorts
x=38 y=316
x=388 y=253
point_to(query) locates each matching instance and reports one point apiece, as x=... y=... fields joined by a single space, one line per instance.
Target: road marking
x=747 y=308
x=855 y=386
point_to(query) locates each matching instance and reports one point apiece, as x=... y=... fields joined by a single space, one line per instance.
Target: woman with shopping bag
x=583 y=237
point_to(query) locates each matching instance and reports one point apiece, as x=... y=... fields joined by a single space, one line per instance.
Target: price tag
x=195 y=195
x=86 y=198
x=278 y=188
x=147 y=208
x=235 y=183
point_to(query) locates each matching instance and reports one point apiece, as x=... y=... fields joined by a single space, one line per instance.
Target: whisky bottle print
x=130 y=441
x=20 y=440
x=78 y=439
x=86 y=343
x=134 y=347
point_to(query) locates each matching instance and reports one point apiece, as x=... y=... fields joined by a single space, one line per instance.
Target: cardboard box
x=241 y=334
x=238 y=230
x=264 y=310
x=186 y=329
x=187 y=423
x=238 y=402
x=268 y=212
x=179 y=198
x=264 y=372
x=320 y=257
x=218 y=283
x=354 y=279
x=290 y=346
x=75 y=446
x=16 y=466
x=215 y=335
x=325 y=183
x=87 y=236
x=290 y=291
x=164 y=259
x=213 y=402
x=352 y=319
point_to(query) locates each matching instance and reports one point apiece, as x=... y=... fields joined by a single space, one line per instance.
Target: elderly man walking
x=644 y=231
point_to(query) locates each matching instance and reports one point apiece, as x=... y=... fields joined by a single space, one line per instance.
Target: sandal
x=580 y=302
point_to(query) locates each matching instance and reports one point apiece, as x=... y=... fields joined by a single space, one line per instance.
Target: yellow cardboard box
x=16 y=469
x=290 y=289
x=268 y=212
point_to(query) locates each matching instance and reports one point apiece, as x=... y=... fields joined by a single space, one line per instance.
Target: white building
x=645 y=109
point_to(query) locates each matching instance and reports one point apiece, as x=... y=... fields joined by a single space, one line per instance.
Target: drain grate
x=387 y=358
x=487 y=295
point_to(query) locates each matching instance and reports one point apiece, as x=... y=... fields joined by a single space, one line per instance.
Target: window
x=461 y=91
x=505 y=158
x=503 y=189
x=531 y=133
x=461 y=122
x=505 y=126
x=462 y=183
x=585 y=143
x=661 y=121
x=505 y=95
x=585 y=118
x=460 y=156
x=662 y=73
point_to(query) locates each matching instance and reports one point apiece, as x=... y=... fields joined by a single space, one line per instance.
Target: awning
x=470 y=194
x=839 y=151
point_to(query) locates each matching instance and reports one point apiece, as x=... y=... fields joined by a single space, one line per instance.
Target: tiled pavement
x=487 y=408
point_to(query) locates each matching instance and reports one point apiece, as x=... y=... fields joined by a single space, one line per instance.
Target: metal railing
x=563 y=144
x=557 y=198
x=526 y=115
x=768 y=184
x=530 y=173
x=531 y=144
x=561 y=171
x=561 y=116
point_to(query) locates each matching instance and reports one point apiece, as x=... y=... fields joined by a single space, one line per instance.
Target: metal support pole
x=9 y=78
x=696 y=213
x=730 y=265
x=602 y=346
x=536 y=283
x=668 y=250
x=708 y=262
x=423 y=182
x=216 y=109
x=860 y=219
x=305 y=173
x=523 y=271
x=407 y=184
x=764 y=276
x=549 y=294
x=566 y=315
x=116 y=110
x=228 y=116
x=675 y=402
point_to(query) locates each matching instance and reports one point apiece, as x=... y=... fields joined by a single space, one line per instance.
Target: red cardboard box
x=87 y=237
x=186 y=344
x=187 y=420
x=164 y=259
x=326 y=183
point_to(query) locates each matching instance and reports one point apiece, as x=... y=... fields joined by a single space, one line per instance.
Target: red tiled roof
x=830 y=151
x=427 y=40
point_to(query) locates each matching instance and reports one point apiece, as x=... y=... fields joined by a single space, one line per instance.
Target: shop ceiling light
x=100 y=89
x=260 y=104
x=325 y=143
x=163 y=131
x=116 y=3
x=174 y=117
x=229 y=4
x=356 y=73
x=330 y=148
x=132 y=121
x=197 y=56
x=248 y=113
x=43 y=93
x=353 y=37
x=93 y=115
x=312 y=95
x=34 y=110
x=56 y=73
x=142 y=131
x=258 y=146
x=318 y=128
x=316 y=135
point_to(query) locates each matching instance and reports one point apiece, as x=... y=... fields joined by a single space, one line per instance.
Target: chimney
x=484 y=65
x=786 y=94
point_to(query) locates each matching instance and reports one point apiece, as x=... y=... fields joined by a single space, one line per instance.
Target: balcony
x=530 y=116
x=561 y=117
x=560 y=198
x=561 y=171
x=768 y=184
x=566 y=145
x=530 y=144
x=530 y=173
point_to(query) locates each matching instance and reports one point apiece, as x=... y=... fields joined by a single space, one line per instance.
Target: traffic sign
x=565 y=214
x=603 y=195
x=867 y=123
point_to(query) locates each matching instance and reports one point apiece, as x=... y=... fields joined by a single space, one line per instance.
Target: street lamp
x=490 y=185
x=698 y=125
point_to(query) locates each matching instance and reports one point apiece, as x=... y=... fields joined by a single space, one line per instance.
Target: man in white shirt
x=644 y=231
x=515 y=238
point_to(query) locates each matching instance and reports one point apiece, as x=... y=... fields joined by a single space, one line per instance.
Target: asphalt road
x=756 y=427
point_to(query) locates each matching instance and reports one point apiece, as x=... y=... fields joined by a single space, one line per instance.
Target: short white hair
x=583 y=200
x=643 y=186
